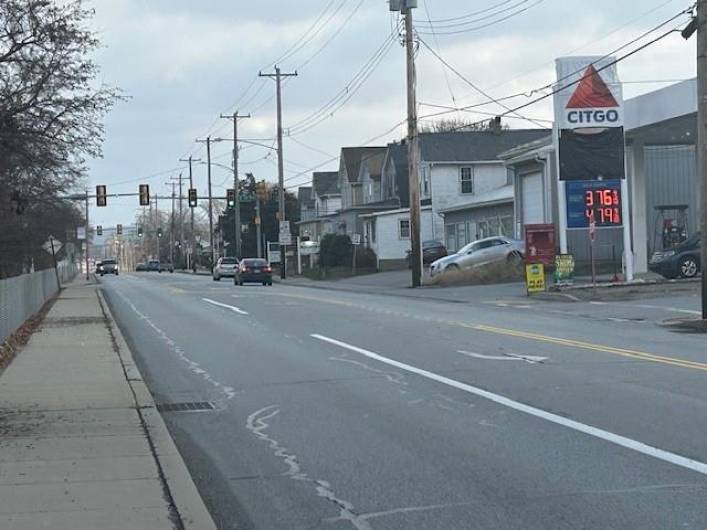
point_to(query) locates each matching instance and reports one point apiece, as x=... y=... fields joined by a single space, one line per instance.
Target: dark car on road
x=166 y=267
x=682 y=261
x=153 y=265
x=141 y=267
x=432 y=250
x=109 y=266
x=253 y=270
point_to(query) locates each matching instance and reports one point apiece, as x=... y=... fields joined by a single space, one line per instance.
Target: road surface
x=345 y=410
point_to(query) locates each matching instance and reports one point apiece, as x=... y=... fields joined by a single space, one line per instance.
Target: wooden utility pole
x=702 y=138
x=211 y=209
x=237 y=209
x=86 y=240
x=413 y=153
x=191 y=160
x=278 y=75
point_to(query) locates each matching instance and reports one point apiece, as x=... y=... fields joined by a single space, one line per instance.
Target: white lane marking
x=532 y=359
x=231 y=307
x=628 y=443
x=193 y=366
x=257 y=424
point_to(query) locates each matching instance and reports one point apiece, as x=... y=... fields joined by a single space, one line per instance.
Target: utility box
x=540 y=246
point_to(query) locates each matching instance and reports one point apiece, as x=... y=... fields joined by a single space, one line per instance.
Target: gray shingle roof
x=352 y=157
x=326 y=183
x=468 y=146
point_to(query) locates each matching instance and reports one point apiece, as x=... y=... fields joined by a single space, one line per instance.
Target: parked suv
x=682 y=261
x=432 y=250
x=225 y=267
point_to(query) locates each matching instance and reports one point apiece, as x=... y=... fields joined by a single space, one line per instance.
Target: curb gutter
x=180 y=490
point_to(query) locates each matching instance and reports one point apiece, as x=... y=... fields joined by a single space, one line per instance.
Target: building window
x=404 y=228
x=466 y=180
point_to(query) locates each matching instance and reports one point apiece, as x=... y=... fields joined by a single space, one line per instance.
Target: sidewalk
x=81 y=444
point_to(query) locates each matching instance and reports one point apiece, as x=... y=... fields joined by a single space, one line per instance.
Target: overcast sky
x=183 y=62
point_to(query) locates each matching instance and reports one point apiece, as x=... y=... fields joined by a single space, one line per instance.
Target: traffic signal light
x=139 y=231
x=101 y=196
x=144 y=195
x=99 y=230
x=192 y=198
x=262 y=191
x=119 y=230
x=231 y=198
x=159 y=232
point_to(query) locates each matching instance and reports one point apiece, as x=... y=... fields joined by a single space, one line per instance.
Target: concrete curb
x=189 y=505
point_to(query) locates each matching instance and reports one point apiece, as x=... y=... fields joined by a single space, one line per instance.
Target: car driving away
x=225 y=267
x=253 y=270
x=682 y=261
x=488 y=251
x=109 y=266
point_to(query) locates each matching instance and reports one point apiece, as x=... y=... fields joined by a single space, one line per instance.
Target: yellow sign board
x=535 y=277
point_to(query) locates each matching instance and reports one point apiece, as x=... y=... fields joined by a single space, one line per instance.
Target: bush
x=366 y=258
x=335 y=250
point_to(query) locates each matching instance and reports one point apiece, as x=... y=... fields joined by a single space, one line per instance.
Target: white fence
x=23 y=296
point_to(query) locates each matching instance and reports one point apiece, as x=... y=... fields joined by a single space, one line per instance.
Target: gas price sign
x=597 y=200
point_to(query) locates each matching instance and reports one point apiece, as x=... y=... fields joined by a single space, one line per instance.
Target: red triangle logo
x=592 y=92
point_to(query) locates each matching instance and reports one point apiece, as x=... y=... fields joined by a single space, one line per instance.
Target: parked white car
x=486 y=251
x=225 y=267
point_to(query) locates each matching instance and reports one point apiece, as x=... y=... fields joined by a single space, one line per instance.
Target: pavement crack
x=257 y=423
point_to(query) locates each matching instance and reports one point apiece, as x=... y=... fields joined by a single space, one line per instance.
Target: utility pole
x=278 y=75
x=701 y=27
x=87 y=234
x=191 y=160
x=181 y=218
x=211 y=209
x=406 y=6
x=171 y=225
x=258 y=221
x=237 y=210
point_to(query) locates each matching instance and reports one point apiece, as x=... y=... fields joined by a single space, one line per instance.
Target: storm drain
x=189 y=406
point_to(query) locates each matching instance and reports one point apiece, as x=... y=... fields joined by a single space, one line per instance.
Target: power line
x=475 y=87
x=342 y=97
x=444 y=70
x=454 y=23
x=470 y=15
x=488 y=24
x=558 y=89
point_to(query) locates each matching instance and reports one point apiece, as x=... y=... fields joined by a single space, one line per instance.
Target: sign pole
x=626 y=215
x=56 y=270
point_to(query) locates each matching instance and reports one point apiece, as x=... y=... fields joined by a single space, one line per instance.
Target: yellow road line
x=633 y=354
x=644 y=356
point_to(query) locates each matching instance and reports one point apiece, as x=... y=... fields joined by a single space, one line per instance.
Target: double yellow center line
x=643 y=356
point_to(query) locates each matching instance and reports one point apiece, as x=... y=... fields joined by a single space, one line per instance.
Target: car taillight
x=243 y=268
x=268 y=269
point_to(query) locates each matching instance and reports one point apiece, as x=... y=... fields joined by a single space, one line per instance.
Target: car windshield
x=376 y=265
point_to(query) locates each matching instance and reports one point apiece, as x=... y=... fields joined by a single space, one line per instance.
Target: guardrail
x=23 y=296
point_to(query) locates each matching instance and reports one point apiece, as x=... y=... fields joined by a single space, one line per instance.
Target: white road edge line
x=628 y=443
x=231 y=307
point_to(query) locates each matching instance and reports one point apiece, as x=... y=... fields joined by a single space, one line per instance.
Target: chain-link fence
x=23 y=296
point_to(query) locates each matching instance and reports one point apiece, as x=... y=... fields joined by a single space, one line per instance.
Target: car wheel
x=270 y=284
x=240 y=283
x=452 y=267
x=217 y=278
x=689 y=267
x=116 y=273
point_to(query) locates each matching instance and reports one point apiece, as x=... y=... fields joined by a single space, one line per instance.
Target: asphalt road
x=355 y=410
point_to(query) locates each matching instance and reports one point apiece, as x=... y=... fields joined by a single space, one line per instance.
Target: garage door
x=532 y=197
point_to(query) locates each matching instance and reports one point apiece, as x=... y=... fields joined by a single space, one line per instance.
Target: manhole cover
x=190 y=406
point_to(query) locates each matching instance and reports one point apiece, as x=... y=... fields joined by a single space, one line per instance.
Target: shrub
x=335 y=250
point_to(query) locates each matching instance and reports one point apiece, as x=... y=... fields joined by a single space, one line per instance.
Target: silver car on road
x=498 y=249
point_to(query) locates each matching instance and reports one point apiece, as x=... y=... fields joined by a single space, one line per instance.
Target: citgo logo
x=592 y=103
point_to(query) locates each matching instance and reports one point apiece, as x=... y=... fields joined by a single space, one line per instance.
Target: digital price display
x=597 y=200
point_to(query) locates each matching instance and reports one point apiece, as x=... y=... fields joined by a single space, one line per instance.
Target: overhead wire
x=456 y=24
x=485 y=25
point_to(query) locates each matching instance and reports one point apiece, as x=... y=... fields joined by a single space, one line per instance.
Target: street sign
x=356 y=239
x=535 y=278
x=48 y=246
x=285 y=235
x=81 y=232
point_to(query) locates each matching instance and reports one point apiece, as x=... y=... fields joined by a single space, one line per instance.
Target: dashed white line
x=628 y=443
x=226 y=306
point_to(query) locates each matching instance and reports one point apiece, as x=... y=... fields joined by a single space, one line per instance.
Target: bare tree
x=51 y=111
x=457 y=124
